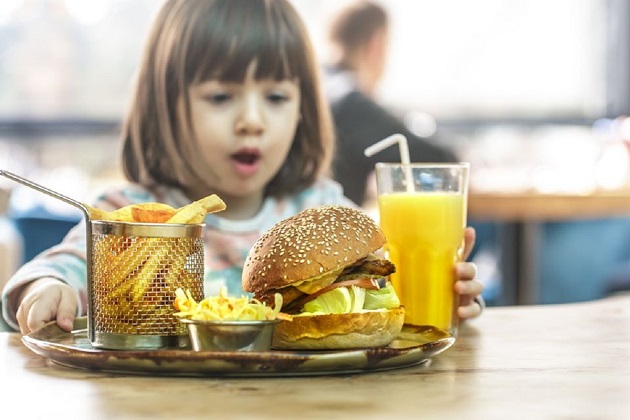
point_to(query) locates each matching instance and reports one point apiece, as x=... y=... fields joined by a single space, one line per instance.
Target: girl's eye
x=277 y=97
x=218 y=98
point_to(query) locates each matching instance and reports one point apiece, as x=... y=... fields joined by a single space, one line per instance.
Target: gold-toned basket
x=133 y=270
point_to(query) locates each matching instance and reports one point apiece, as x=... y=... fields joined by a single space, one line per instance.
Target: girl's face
x=244 y=131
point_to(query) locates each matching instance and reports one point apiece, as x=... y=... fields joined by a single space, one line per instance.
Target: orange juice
x=424 y=234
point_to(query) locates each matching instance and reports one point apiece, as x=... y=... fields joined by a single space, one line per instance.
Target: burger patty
x=289 y=294
x=377 y=267
x=368 y=267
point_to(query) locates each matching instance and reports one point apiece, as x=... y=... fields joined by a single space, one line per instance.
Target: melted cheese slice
x=313 y=284
x=316 y=283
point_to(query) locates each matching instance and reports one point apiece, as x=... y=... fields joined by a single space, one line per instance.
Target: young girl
x=227 y=102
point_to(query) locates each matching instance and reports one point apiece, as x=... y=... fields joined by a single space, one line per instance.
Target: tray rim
x=187 y=362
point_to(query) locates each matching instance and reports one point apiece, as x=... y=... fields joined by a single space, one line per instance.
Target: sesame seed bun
x=311 y=249
x=308 y=245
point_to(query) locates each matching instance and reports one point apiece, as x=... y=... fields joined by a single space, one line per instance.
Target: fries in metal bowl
x=225 y=323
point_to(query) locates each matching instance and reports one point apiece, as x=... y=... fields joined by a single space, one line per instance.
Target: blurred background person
x=359 y=35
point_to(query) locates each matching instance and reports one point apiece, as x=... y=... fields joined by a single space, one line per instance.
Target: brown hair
x=195 y=40
x=353 y=27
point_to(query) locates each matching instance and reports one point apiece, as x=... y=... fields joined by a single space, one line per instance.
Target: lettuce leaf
x=358 y=298
x=383 y=298
x=341 y=300
x=337 y=301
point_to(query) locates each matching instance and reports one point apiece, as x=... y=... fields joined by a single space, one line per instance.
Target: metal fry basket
x=133 y=270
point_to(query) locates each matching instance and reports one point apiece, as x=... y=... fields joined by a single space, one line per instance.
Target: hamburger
x=323 y=263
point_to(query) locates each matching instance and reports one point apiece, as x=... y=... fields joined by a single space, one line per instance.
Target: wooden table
x=520 y=215
x=555 y=361
x=535 y=206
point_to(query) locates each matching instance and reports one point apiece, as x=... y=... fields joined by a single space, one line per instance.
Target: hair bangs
x=223 y=48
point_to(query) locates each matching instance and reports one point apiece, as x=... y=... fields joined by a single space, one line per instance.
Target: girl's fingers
x=67 y=309
x=46 y=300
x=470 y=311
x=468 y=287
x=466 y=270
x=469 y=241
x=470 y=303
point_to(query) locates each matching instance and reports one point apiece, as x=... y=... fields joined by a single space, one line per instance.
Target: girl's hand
x=45 y=300
x=467 y=286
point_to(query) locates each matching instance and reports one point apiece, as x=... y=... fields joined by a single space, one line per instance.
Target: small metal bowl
x=230 y=335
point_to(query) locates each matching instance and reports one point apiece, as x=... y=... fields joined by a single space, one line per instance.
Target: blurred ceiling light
x=421 y=124
x=605 y=129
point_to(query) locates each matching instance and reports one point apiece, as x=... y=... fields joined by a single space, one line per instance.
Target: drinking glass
x=422 y=212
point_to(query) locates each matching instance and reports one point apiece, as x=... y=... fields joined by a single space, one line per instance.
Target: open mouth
x=246 y=156
x=246 y=162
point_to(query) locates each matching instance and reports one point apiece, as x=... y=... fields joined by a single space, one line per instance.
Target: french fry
x=212 y=204
x=123 y=289
x=123 y=264
x=196 y=211
x=175 y=269
x=96 y=214
x=144 y=214
x=148 y=273
x=192 y=213
x=162 y=268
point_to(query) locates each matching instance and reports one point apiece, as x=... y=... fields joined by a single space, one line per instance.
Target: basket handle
x=47 y=191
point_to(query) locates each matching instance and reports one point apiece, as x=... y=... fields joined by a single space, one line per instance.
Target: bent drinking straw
x=404 y=154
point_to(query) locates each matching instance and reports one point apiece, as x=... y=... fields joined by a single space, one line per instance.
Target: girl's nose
x=250 y=121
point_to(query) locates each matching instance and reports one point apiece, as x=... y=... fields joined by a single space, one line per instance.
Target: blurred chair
x=580 y=260
x=40 y=229
x=619 y=280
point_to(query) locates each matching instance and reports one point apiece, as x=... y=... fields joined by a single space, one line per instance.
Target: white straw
x=390 y=141
x=403 y=147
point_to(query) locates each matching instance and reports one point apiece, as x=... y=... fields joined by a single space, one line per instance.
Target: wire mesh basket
x=133 y=270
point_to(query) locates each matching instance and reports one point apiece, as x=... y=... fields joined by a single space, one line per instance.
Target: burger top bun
x=309 y=244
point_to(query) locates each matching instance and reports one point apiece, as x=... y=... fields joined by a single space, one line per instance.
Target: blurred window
x=69 y=58
x=453 y=58
x=494 y=58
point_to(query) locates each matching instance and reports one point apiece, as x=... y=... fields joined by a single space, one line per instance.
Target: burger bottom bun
x=339 y=331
